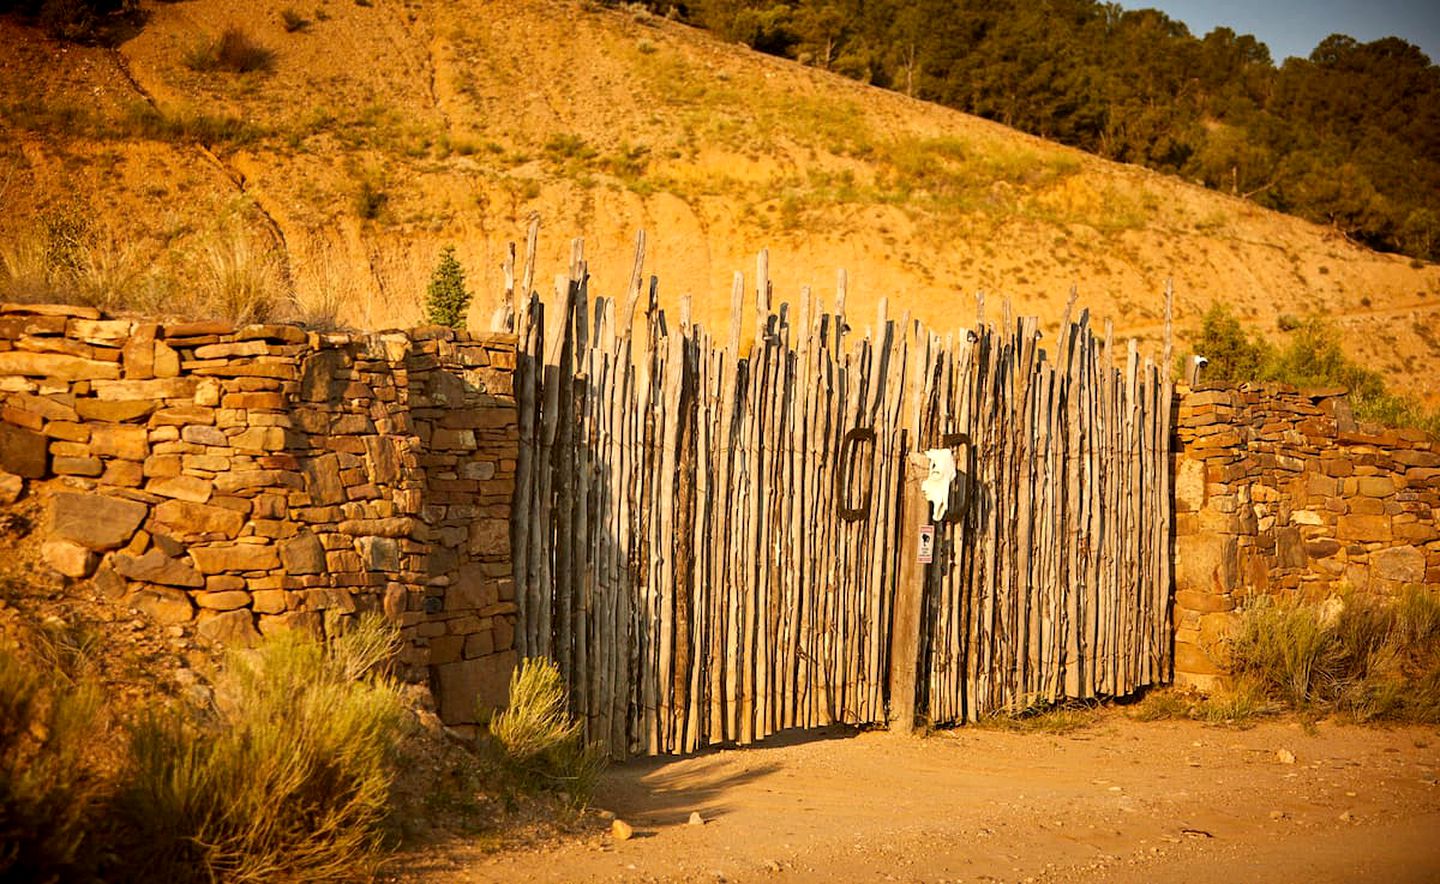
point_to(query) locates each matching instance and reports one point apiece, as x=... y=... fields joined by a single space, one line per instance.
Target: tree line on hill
x=1349 y=137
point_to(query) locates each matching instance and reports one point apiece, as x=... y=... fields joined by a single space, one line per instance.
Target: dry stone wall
x=1279 y=490
x=238 y=481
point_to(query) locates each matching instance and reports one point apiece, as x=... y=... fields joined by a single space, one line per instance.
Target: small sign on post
x=925 y=554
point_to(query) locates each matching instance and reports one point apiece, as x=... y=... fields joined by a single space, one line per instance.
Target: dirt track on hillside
x=1120 y=801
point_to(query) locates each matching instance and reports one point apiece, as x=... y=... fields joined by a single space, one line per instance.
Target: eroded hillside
x=371 y=135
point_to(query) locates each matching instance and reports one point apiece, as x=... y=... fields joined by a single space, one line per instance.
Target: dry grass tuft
x=1056 y=719
x=47 y=787
x=1239 y=705
x=234 y=51
x=287 y=777
x=326 y=294
x=293 y=20
x=63 y=259
x=25 y=274
x=238 y=283
x=540 y=745
x=1365 y=657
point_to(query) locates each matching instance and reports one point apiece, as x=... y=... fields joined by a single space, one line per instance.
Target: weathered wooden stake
x=909 y=597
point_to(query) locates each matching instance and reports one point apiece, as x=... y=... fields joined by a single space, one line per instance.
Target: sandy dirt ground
x=1119 y=801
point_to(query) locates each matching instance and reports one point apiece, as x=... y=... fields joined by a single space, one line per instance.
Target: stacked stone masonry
x=1279 y=490
x=244 y=480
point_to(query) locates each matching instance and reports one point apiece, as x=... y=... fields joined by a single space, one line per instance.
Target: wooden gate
x=708 y=534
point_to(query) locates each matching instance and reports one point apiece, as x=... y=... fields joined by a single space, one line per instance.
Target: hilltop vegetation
x=1349 y=137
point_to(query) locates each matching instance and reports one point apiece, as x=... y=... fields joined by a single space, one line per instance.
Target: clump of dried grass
x=539 y=744
x=48 y=787
x=287 y=777
x=234 y=51
x=239 y=283
x=1367 y=657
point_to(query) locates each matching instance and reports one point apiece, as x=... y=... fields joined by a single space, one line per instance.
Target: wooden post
x=909 y=598
x=506 y=318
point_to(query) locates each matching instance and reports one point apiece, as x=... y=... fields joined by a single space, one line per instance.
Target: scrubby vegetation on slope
x=1310 y=356
x=1349 y=136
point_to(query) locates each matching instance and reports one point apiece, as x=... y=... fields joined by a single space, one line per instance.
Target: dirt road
x=1120 y=801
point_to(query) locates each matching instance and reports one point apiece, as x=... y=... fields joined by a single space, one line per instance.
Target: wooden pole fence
x=714 y=537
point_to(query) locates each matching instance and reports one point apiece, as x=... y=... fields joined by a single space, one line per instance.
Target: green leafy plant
x=1233 y=353
x=1311 y=357
x=542 y=747
x=446 y=298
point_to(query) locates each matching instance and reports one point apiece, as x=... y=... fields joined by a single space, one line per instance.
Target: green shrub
x=446 y=298
x=289 y=775
x=1311 y=357
x=1233 y=354
x=47 y=786
x=1284 y=646
x=234 y=51
x=541 y=746
x=565 y=149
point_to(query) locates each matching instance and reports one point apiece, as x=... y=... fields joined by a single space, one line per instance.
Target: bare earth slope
x=461 y=120
x=1119 y=802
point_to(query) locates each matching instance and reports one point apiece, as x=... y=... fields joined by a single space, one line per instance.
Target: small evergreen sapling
x=446 y=299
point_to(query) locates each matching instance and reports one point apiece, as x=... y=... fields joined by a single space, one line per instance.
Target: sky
x=1294 y=27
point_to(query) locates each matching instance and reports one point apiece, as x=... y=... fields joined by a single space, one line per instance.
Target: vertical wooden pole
x=532 y=242
x=909 y=598
x=507 y=307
